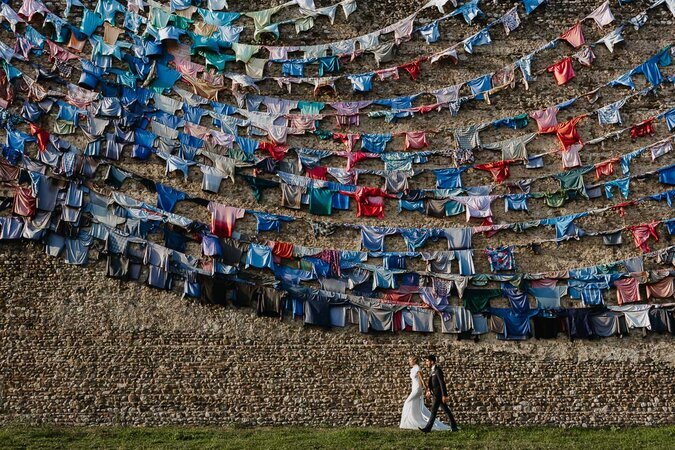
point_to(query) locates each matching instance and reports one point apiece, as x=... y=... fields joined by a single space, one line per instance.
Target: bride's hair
x=413 y=357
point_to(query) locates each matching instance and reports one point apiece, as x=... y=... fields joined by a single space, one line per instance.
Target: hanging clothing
x=415 y=140
x=611 y=113
x=642 y=233
x=622 y=184
x=372 y=238
x=320 y=201
x=602 y=15
x=627 y=290
x=546 y=117
x=575 y=36
x=514 y=148
x=477 y=206
x=223 y=218
x=566 y=132
x=562 y=71
x=500 y=258
x=467 y=138
x=645 y=128
x=167 y=197
x=499 y=170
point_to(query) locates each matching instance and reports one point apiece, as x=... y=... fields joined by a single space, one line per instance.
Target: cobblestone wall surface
x=79 y=348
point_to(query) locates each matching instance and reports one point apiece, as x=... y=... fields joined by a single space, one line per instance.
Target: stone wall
x=79 y=348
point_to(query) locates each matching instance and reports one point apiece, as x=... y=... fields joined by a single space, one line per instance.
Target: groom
x=436 y=388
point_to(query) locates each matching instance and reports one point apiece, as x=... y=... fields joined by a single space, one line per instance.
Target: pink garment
x=570 y=157
x=627 y=290
x=415 y=139
x=32 y=7
x=642 y=233
x=300 y=123
x=477 y=206
x=383 y=74
x=58 y=53
x=546 y=117
x=575 y=36
x=544 y=283
x=186 y=67
x=197 y=130
x=223 y=218
x=661 y=289
x=585 y=57
x=354 y=157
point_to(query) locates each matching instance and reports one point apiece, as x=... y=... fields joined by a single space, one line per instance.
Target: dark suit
x=438 y=390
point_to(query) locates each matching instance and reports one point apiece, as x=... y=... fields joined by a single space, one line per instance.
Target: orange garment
x=566 y=132
x=562 y=71
x=605 y=168
x=283 y=249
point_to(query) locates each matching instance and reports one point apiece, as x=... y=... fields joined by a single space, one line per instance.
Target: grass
x=18 y=437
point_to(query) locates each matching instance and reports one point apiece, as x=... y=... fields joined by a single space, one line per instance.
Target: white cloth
x=415 y=415
x=602 y=15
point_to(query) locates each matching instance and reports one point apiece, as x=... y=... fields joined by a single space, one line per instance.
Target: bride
x=415 y=415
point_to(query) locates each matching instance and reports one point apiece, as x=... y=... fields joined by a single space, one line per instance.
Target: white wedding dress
x=415 y=415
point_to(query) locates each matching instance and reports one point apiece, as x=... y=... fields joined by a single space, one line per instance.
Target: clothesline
x=126 y=201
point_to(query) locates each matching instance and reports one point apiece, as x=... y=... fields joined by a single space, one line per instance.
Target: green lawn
x=337 y=438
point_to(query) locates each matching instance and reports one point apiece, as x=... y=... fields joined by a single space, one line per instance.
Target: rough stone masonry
x=78 y=348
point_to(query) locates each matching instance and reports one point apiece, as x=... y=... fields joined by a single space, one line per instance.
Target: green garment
x=159 y=18
x=573 y=180
x=477 y=300
x=244 y=52
x=237 y=154
x=255 y=67
x=320 y=201
x=521 y=120
x=63 y=127
x=304 y=24
x=257 y=185
x=514 y=148
x=263 y=18
x=556 y=199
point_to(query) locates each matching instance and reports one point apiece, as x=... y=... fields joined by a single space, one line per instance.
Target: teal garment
x=203 y=43
x=453 y=208
x=573 y=180
x=320 y=201
x=218 y=18
x=108 y=8
x=127 y=79
x=158 y=18
x=311 y=108
x=11 y=71
x=217 y=60
x=90 y=22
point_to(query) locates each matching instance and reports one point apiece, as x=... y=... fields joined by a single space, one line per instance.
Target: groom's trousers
x=438 y=402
